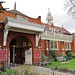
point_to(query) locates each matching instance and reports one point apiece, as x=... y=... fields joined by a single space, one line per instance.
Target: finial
x=15 y=6
x=48 y=9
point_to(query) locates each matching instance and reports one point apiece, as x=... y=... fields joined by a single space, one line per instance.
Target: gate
x=28 y=56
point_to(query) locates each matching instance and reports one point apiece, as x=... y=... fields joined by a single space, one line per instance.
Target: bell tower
x=49 y=18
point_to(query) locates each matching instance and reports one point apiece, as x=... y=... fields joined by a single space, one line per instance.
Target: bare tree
x=69 y=5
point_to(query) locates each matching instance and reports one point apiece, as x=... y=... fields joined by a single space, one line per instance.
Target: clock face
x=73 y=2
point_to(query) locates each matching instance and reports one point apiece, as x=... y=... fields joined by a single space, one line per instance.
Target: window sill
x=54 y=49
x=67 y=49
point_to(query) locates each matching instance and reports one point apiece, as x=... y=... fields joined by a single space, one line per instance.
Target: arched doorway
x=20 y=50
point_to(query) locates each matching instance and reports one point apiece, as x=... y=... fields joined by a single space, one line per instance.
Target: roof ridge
x=17 y=12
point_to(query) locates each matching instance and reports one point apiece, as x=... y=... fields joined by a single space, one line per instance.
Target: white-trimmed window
x=67 y=45
x=53 y=44
x=52 y=29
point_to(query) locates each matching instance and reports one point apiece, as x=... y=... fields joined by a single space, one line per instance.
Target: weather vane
x=73 y=2
x=48 y=9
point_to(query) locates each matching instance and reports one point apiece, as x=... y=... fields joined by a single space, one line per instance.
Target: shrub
x=1 y=73
x=63 y=68
x=27 y=70
x=22 y=70
x=50 y=59
x=44 y=57
x=11 y=72
x=1 y=68
x=69 y=53
x=62 y=54
x=73 y=55
x=52 y=53
x=56 y=67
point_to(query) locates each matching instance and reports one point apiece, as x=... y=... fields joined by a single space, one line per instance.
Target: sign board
x=3 y=54
x=37 y=53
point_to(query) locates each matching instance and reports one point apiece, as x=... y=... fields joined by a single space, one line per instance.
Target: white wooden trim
x=16 y=23
x=55 y=39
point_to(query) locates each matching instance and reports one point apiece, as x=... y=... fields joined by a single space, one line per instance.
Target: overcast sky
x=35 y=8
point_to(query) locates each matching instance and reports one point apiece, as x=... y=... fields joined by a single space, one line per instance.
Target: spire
x=48 y=10
x=49 y=18
x=15 y=6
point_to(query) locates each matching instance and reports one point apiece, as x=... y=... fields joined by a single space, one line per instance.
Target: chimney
x=62 y=26
x=39 y=17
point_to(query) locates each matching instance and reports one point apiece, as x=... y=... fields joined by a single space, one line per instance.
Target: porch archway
x=18 y=46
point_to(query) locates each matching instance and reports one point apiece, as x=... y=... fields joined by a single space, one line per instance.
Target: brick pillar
x=5 y=48
x=73 y=44
x=47 y=48
x=33 y=55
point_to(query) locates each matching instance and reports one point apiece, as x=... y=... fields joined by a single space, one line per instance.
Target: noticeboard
x=37 y=53
x=3 y=54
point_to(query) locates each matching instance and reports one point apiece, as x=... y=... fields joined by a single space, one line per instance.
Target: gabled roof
x=16 y=12
x=57 y=29
x=61 y=30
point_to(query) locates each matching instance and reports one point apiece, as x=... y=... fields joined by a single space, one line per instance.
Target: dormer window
x=52 y=29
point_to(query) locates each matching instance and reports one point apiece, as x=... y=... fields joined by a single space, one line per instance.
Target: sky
x=35 y=8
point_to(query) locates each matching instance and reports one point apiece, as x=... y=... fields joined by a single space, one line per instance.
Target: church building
x=24 y=39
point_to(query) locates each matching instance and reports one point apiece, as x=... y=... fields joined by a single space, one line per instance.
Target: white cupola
x=49 y=18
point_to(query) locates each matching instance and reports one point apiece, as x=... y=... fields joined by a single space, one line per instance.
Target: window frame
x=67 y=46
x=54 y=45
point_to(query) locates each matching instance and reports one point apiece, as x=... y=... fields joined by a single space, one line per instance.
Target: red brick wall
x=12 y=35
x=6 y=13
x=45 y=44
x=37 y=20
x=73 y=45
x=31 y=38
x=1 y=34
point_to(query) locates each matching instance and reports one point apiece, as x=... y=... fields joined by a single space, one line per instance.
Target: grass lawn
x=70 y=64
